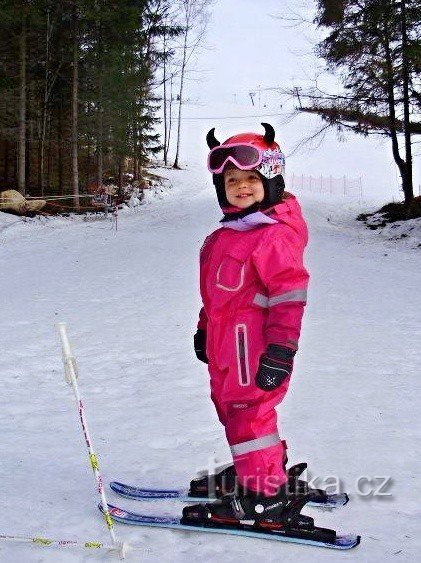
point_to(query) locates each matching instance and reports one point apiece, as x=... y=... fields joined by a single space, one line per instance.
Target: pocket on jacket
x=230 y=274
x=241 y=343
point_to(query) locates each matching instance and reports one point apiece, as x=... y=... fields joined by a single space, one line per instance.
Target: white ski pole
x=71 y=375
x=47 y=542
x=64 y=543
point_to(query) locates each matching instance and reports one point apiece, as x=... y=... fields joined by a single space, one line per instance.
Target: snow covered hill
x=130 y=298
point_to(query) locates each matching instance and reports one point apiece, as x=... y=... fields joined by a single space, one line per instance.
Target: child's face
x=243 y=187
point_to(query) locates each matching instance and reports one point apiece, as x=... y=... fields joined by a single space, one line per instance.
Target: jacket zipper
x=242 y=355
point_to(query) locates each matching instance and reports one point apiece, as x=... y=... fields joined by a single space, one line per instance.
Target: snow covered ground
x=130 y=299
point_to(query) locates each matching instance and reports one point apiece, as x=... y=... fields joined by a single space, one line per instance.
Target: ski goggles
x=244 y=156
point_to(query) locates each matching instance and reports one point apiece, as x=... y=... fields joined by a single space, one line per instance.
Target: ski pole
x=70 y=370
x=39 y=540
x=49 y=542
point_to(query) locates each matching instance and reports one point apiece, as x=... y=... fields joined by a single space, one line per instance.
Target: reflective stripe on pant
x=250 y=421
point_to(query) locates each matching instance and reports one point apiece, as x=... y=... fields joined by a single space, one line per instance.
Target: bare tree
x=166 y=105
x=375 y=47
x=194 y=17
x=168 y=76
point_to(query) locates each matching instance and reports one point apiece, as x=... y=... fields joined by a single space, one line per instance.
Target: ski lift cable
x=232 y=116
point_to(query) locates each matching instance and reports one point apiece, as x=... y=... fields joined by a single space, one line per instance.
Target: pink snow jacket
x=254 y=286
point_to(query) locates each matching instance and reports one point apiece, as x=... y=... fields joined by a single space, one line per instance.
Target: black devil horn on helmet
x=211 y=139
x=269 y=136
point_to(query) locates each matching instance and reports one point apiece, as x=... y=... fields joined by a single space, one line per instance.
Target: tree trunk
x=89 y=169
x=60 y=148
x=100 y=156
x=44 y=107
x=6 y=161
x=165 y=102
x=49 y=157
x=120 y=173
x=39 y=157
x=170 y=114
x=407 y=186
x=135 y=168
x=27 y=164
x=22 y=107
x=75 y=169
x=392 y=111
x=15 y=162
x=180 y=95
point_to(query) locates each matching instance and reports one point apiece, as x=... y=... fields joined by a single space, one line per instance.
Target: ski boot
x=249 y=510
x=214 y=485
x=225 y=482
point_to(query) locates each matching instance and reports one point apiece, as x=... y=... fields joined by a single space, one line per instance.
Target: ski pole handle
x=69 y=360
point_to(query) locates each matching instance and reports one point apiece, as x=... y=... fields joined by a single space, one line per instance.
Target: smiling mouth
x=243 y=195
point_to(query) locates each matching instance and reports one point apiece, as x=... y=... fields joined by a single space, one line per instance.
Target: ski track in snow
x=131 y=300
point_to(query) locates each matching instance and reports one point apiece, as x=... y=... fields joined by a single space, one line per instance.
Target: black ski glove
x=275 y=366
x=200 y=345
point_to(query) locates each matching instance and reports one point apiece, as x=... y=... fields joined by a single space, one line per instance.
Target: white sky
x=248 y=49
x=249 y=46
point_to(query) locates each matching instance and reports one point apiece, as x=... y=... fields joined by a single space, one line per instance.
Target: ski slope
x=130 y=299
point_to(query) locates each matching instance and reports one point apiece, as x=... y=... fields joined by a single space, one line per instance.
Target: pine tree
x=80 y=74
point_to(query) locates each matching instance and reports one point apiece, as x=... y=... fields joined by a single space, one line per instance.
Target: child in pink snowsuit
x=254 y=286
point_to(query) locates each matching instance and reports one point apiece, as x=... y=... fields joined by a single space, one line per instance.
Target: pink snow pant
x=249 y=417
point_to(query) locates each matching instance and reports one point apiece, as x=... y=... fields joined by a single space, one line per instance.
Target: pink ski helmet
x=248 y=151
